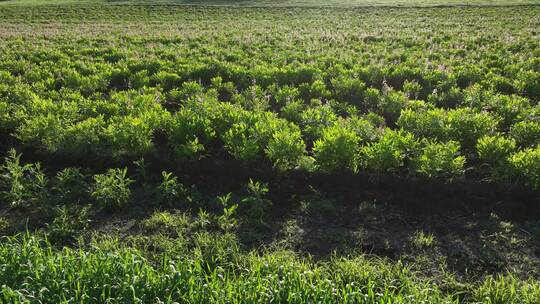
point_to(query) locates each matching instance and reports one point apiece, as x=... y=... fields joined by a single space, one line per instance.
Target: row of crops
x=467 y=107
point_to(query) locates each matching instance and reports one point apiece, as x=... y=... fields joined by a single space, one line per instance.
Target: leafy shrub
x=526 y=133
x=8 y=119
x=166 y=80
x=170 y=190
x=336 y=149
x=528 y=82
x=439 y=160
x=187 y=91
x=22 y=184
x=315 y=90
x=511 y=109
x=69 y=186
x=68 y=223
x=129 y=137
x=84 y=139
x=350 y=90
x=283 y=95
x=139 y=79
x=526 y=166
x=253 y=98
x=430 y=123
x=372 y=98
x=391 y=104
x=467 y=126
x=412 y=89
x=189 y=132
x=292 y=111
x=315 y=119
x=364 y=128
x=285 y=148
x=44 y=132
x=495 y=149
x=241 y=142
x=226 y=221
x=111 y=189
x=256 y=200
x=389 y=153
x=246 y=139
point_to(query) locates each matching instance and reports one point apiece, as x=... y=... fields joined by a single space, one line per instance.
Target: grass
x=283 y=3
x=114 y=273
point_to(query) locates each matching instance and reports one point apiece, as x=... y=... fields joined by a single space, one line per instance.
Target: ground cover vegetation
x=200 y=154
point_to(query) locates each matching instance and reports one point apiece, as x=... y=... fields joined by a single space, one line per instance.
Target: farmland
x=269 y=151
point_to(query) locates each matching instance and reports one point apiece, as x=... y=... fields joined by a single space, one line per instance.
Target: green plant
x=390 y=153
x=439 y=160
x=189 y=132
x=111 y=189
x=242 y=142
x=141 y=170
x=467 y=126
x=526 y=133
x=336 y=149
x=315 y=119
x=285 y=148
x=70 y=186
x=129 y=136
x=170 y=190
x=427 y=123
x=526 y=166
x=495 y=150
x=412 y=89
x=256 y=200
x=68 y=224
x=226 y=221
x=22 y=184
x=420 y=239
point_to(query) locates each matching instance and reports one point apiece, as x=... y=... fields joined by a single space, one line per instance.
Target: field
x=269 y=151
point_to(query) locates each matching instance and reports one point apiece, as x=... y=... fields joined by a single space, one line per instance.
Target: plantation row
x=311 y=133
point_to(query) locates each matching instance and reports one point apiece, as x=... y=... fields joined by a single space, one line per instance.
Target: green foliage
x=68 y=224
x=70 y=186
x=526 y=166
x=507 y=289
x=131 y=137
x=246 y=139
x=170 y=190
x=526 y=133
x=315 y=119
x=34 y=270
x=189 y=132
x=111 y=190
x=430 y=123
x=99 y=85
x=350 y=90
x=226 y=220
x=495 y=149
x=391 y=104
x=336 y=149
x=412 y=88
x=21 y=185
x=285 y=148
x=390 y=153
x=467 y=126
x=256 y=201
x=439 y=160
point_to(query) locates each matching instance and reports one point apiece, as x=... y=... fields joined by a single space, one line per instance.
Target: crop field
x=347 y=151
